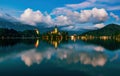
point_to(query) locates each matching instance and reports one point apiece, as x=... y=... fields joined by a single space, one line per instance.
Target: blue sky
x=43 y=5
x=59 y=11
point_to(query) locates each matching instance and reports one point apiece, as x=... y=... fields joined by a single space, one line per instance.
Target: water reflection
x=99 y=48
x=12 y=42
x=94 y=59
x=31 y=57
x=62 y=53
x=110 y=44
x=85 y=54
x=37 y=43
x=115 y=57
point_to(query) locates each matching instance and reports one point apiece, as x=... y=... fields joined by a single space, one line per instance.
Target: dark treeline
x=109 y=30
x=8 y=33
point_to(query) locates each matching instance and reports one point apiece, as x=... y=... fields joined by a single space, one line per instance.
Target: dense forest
x=8 y=33
x=109 y=30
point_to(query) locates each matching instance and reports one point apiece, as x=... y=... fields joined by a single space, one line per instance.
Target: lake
x=36 y=57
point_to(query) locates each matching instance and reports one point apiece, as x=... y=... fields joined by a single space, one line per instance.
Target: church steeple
x=56 y=29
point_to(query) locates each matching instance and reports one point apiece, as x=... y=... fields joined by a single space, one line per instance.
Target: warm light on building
x=37 y=31
x=73 y=38
x=56 y=30
x=104 y=37
x=83 y=38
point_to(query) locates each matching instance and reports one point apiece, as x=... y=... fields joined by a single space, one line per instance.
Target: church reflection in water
x=68 y=51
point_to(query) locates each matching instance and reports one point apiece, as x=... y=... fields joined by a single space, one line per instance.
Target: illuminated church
x=55 y=31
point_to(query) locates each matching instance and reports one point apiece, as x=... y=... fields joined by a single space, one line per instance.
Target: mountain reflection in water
x=80 y=55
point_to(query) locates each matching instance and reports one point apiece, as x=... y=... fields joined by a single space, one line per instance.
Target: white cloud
x=47 y=19
x=108 y=4
x=84 y=16
x=111 y=8
x=62 y=10
x=31 y=17
x=84 y=4
x=115 y=16
x=93 y=16
x=62 y=20
x=80 y=5
x=99 y=15
x=110 y=1
x=64 y=16
x=101 y=25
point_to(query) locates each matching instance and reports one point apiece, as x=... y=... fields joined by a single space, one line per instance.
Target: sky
x=75 y=13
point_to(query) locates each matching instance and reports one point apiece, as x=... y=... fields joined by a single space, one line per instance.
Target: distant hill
x=109 y=30
x=4 y=23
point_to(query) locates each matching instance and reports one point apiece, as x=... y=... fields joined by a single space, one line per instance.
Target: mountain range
x=4 y=23
x=10 y=22
x=108 y=30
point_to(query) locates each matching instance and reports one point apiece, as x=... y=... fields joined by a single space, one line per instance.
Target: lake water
x=33 y=57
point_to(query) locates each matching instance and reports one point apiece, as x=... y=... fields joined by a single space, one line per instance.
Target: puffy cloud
x=99 y=15
x=115 y=16
x=64 y=16
x=101 y=25
x=84 y=16
x=62 y=20
x=33 y=17
x=47 y=19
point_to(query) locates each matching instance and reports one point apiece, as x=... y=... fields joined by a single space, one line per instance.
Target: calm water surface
x=34 y=57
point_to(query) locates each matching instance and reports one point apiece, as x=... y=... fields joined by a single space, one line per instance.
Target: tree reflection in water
x=68 y=52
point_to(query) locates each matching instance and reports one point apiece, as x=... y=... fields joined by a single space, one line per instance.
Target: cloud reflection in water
x=69 y=56
x=31 y=57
